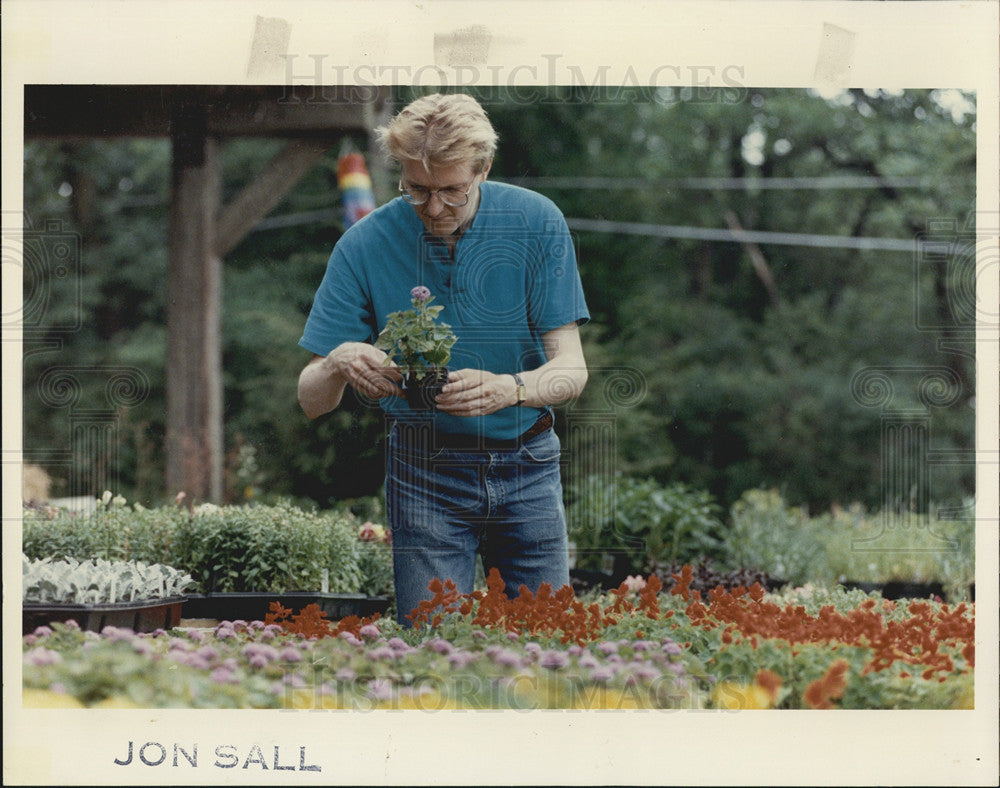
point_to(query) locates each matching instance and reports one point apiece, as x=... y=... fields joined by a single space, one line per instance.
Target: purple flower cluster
x=420 y=293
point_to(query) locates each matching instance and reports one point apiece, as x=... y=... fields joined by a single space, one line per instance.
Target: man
x=481 y=473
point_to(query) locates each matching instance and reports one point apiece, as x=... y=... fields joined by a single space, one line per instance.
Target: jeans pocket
x=542 y=448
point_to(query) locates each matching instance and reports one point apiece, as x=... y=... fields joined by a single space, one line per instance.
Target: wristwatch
x=522 y=392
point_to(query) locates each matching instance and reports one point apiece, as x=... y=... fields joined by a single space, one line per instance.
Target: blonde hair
x=440 y=130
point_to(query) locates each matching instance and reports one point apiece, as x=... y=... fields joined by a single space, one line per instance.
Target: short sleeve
x=341 y=311
x=555 y=292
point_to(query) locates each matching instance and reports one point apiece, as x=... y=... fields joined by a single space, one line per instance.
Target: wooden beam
x=194 y=283
x=87 y=111
x=266 y=191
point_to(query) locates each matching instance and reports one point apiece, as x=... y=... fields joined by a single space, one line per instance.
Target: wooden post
x=194 y=443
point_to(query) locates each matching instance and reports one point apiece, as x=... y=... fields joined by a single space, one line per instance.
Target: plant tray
x=143 y=616
x=255 y=605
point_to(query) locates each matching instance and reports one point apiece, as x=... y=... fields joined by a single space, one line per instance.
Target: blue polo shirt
x=513 y=278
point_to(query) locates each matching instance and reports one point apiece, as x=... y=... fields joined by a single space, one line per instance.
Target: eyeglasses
x=453 y=198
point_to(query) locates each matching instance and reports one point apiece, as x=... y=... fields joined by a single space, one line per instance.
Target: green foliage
x=850 y=544
x=651 y=524
x=231 y=548
x=413 y=338
x=98 y=581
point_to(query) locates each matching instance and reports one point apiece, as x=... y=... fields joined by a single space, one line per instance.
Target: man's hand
x=474 y=392
x=361 y=366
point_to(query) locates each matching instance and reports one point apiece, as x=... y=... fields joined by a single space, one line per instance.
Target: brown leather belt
x=443 y=440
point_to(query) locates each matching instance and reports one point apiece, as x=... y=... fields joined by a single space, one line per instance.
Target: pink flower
x=42 y=656
x=420 y=293
x=369 y=631
x=370 y=532
x=635 y=583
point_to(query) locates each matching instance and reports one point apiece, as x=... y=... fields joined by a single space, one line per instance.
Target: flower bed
x=632 y=648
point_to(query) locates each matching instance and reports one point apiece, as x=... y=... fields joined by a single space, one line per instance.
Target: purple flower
x=159 y=632
x=258 y=661
x=370 y=631
x=643 y=671
x=587 y=660
x=512 y=636
x=30 y=640
x=42 y=656
x=256 y=624
x=294 y=680
x=533 y=648
x=672 y=648
x=239 y=624
x=380 y=689
x=607 y=647
x=142 y=647
x=42 y=631
x=345 y=674
x=676 y=667
x=207 y=653
x=420 y=293
x=350 y=638
x=439 y=646
x=459 y=659
x=263 y=650
x=398 y=644
x=478 y=634
x=383 y=652
x=602 y=675
x=196 y=635
x=71 y=624
x=176 y=644
x=291 y=654
x=223 y=676
x=641 y=645
x=508 y=659
x=117 y=633
x=554 y=660
x=575 y=650
x=224 y=632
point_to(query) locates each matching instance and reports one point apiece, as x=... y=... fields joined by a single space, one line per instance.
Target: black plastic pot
x=421 y=392
x=255 y=605
x=142 y=616
x=899 y=590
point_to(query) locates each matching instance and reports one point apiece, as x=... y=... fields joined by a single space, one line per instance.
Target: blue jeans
x=445 y=505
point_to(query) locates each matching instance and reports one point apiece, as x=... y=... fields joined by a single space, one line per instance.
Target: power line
x=745 y=184
x=739 y=236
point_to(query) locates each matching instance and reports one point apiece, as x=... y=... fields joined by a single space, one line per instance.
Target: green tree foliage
x=740 y=358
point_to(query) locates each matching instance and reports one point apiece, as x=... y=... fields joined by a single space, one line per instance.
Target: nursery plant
x=850 y=544
x=414 y=339
x=98 y=581
x=634 y=647
x=651 y=525
x=252 y=547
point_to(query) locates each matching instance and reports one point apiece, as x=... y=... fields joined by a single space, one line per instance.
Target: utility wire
x=745 y=184
x=741 y=236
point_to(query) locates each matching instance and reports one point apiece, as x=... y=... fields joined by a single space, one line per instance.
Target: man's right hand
x=362 y=367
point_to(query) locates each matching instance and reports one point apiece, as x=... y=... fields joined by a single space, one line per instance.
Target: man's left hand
x=474 y=392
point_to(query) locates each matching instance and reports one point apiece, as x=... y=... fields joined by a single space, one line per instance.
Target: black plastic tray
x=144 y=616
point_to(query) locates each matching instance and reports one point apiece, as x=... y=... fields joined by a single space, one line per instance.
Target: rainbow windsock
x=355 y=186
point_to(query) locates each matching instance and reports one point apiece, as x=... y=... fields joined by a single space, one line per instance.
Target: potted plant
x=420 y=346
x=100 y=593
